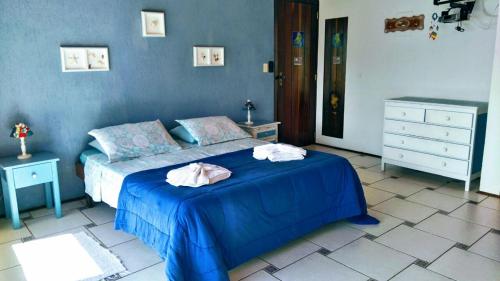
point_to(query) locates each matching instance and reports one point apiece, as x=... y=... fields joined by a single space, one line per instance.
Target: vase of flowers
x=21 y=131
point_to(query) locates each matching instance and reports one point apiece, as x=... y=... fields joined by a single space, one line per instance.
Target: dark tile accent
x=461 y=246
x=472 y=202
x=113 y=277
x=394 y=177
x=443 y=212
x=370 y=237
x=371 y=279
x=324 y=252
x=496 y=231
x=26 y=239
x=90 y=225
x=271 y=269
x=410 y=224
x=429 y=188
x=400 y=196
x=369 y=206
x=421 y=263
x=362 y=168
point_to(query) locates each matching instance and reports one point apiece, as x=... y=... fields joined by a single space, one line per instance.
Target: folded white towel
x=197 y=174
x=279 y=152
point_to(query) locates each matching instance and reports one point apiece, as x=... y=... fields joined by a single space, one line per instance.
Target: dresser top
x=13 y=162
x=480 y=105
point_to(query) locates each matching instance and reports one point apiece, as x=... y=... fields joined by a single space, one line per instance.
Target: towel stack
x=279 y=152
x=197 y=174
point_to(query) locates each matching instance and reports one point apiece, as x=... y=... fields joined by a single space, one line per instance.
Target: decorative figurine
x=249 y=107
x=22 y=131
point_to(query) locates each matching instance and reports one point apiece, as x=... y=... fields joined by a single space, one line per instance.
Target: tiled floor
x=430 y=229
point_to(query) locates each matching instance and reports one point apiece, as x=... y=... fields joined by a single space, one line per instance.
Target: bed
x=204 y=232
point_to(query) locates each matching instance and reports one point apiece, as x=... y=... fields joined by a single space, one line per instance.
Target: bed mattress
x=103 y=180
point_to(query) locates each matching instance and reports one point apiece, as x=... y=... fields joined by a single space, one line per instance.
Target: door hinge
x=317 y=15
x=315 y=77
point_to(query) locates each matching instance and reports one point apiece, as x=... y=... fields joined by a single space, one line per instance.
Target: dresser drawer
x=265 y=134
x=427 y=146
x=449 y=118
x=32 y=175
x=427 y=160
x=405 y=113
x=429 y=131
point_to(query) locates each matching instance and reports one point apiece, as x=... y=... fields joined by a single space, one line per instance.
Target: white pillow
x=128 y=141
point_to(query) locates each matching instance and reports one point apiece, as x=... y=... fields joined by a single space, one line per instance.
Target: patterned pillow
x=216 y=129
x=134 y=140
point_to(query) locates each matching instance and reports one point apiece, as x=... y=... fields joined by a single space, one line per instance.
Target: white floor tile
x=460 y=192
x=453 y=229
x=425 y=179
x=414 y=242
x=399 y=186
x=7 y=256
x=372 y=259
x=68 y=206
x=247 y=269
x=47 y=225
x=369 y=177
x=390 y=170
x=100 y=214
x=260 y=276
x=491 y=202
x=152 y=273
x=318 y=268
x=464 y=266
x=339 y=152
x=335 y=236
x=7 y=233
x=364 y=161
x=479 y=215
x=375 y=196
x=437 y=200
x=12 y=274
x=416 y=273
x=405 y=210
x=107 y=234
x=386 y=223
x=488 y=246
x=290 y=253
x=135 y=255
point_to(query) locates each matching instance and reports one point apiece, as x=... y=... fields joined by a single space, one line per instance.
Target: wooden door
x=296 y=53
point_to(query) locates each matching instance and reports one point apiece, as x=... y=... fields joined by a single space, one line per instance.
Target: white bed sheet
x=103 y=180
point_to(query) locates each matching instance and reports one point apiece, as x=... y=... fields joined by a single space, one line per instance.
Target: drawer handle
x=444 y=164
x=401 y=156
x=445 y=149
x=34 y=175
x=403 y=113
x=448 y=118
x=402 y=142
x=403 y=128
x=447 y=134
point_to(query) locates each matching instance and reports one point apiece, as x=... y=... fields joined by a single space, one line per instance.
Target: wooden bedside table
x=17 y=174
x=262 y=130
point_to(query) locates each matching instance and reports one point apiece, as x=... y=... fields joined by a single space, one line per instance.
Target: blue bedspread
x=203 y=232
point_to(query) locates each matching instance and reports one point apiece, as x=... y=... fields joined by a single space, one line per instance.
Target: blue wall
x=150 y=77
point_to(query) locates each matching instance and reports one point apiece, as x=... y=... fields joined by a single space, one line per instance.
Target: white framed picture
x=153 y=24
x=78 y=59
x=208 y=56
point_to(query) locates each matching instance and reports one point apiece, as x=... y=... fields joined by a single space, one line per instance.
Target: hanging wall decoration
x=404 y=24
x=434 y=27
x=78 y=59
x=335 y=77
x=208 y=56
x=153 y=24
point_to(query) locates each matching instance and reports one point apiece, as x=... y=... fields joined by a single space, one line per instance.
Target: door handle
x=280 y=78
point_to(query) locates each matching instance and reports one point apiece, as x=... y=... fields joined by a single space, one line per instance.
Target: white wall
x=381 y=66
x=490 y=178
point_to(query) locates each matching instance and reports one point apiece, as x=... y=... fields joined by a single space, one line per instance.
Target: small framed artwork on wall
x=79 y=59
x=153 y=24
x=208 y=56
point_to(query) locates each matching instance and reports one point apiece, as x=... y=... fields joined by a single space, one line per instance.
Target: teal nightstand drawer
x=32 y=175
x=266 y=134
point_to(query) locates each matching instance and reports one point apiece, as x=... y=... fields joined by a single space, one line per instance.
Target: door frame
x=314 y=56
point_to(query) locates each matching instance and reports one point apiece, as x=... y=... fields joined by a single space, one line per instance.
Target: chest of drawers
x=443 y=137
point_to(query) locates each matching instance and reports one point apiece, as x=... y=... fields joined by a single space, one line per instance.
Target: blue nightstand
x=17 y=174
